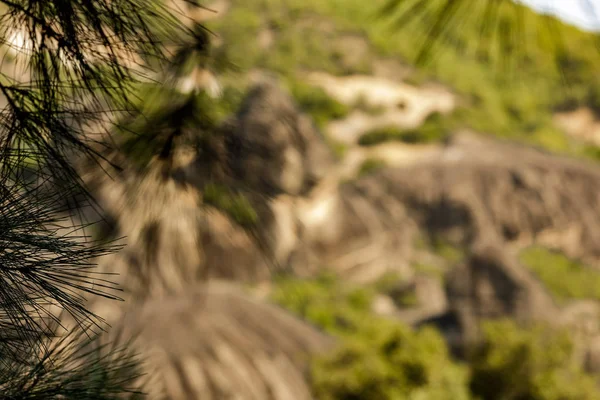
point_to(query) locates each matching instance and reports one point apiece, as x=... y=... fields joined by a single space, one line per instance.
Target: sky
x=583 y=13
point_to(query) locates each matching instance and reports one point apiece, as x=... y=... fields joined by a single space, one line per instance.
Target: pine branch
x=74 y=71
x=76 y=367
x=42 y=268
x=81 y=55
x=509 y=33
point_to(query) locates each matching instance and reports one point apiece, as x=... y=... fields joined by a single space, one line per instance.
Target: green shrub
x=566 y=279
x=317 y=103
x=382 y=359
x=407 y=299
x=326 y=302
x=432 y=130
x=388 y=282
x=377 y=358
x=339 y=149
x=370 y=165
x=449 y=252
x=227 y=103
x=388 y=360
x=591 y=152
x=534 y=364
x=242 y=23
x=381 y=135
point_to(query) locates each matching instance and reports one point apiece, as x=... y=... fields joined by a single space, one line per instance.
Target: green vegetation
x=395 y=287
x=382 y=135
x=322 y=108
x=534 y=363
x=387 y=282
x=378 y=358
x=326 y=302
x=317 y=103
x=566 y=279
x=370 y=165
x=429 y=270
x=313 y=35
x=339 y=149
x=451 y=253
x=445 y=256
x=432 y=130
x=363 y=105
x=235 y=205
x=382 y=359
x=390 y=361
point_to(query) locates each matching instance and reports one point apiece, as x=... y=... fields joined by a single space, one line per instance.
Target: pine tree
x=69 y=70
x=509 y=33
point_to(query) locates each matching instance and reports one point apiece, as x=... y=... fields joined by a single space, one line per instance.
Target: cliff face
x=214 y=340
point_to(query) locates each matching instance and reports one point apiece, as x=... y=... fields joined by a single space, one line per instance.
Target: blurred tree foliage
x=68 y=67
x=534 y=363
x=380 y=358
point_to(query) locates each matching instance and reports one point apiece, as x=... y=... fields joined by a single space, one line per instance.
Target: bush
x=325 y=302
x=381 y=135
x=377 y=359
x=382 y=359
x=591 y=152
x=447 y=251
x=317 y=103
x=388 y=360
x=534 y=364
x=434 y=129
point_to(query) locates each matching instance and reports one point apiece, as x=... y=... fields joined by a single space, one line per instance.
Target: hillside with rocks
x=332 y=160
x=486 y=199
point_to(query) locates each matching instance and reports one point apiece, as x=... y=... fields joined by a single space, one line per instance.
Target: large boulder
x=272 y=147
x=492 y=284
x=215 y=341
x=356 y=229
x=522 y=194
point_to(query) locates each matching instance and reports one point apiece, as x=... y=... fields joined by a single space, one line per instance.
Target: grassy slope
x=566 y=279
x=309 y=35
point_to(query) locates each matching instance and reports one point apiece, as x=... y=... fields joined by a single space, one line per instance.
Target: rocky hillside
x=447 y=224
x=348 y=163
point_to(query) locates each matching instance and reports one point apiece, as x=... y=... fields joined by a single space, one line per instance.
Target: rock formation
x=486 y=197
x=217 y=342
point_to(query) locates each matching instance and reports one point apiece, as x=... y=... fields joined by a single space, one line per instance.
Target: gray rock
x=272 y=147
x=217 y=342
